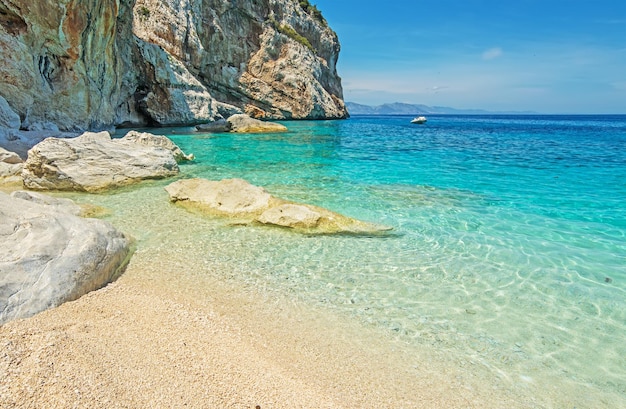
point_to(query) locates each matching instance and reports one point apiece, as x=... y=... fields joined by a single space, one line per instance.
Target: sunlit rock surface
x=49 y=255
x=95 y=162
x=246 y=203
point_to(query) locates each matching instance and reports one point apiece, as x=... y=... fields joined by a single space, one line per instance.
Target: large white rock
x=49 y=256
x=247 y=203
x=94 y=162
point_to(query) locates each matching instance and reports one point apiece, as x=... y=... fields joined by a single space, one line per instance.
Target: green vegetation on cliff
x=292 y=33
x=313 y=11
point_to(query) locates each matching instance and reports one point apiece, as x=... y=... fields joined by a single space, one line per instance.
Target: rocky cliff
x=93 y=64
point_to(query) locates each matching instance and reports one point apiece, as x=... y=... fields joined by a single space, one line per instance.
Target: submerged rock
x=94 y=162
x=49 y=255
x=238 y=199
x=242 y=123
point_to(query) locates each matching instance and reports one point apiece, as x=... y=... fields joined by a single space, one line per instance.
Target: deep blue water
x=509 y=240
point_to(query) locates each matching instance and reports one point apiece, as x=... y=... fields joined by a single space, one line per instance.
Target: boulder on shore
x=49 y=255
x=242 y=123
x=95 y=162
x=240 y=200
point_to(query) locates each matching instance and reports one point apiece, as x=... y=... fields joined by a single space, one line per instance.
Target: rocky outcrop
x=74 y=65
x=272 y=58
x=95 y=162
x=242 y=123
x=246 y=203
x=49 y=255
x=168 y=93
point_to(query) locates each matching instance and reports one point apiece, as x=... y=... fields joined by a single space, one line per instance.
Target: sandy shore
x=183 y=328
x=148 y=342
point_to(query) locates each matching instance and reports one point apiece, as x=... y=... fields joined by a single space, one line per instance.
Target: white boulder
x=95 y=162
x=49 y=256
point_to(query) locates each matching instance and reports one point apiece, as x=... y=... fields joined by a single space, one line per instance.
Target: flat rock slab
x=240 y=200
x=229 y=197
x=242 y=123
x=94 y=162
x=49 y=255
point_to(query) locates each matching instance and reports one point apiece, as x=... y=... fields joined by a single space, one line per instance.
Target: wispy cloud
x=543 y=77
x=492 y=53
x=435 y=89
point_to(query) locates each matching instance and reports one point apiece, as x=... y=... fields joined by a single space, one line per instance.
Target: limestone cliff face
x=60 y=63
x=92 y=64
x=252 y=54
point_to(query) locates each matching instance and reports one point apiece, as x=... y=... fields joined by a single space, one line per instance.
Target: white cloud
x=492 y=53
x=437 y=88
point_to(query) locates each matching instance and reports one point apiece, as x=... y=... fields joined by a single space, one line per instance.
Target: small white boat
x=418 y=120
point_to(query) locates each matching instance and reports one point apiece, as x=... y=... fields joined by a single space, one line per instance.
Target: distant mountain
x=399 y=108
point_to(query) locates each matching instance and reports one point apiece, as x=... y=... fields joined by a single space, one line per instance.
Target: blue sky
x=547 y=56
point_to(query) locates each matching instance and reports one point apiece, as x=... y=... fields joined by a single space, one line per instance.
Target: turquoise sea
x=508 y=247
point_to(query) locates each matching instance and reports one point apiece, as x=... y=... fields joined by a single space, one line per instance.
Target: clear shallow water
x=509 y=243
